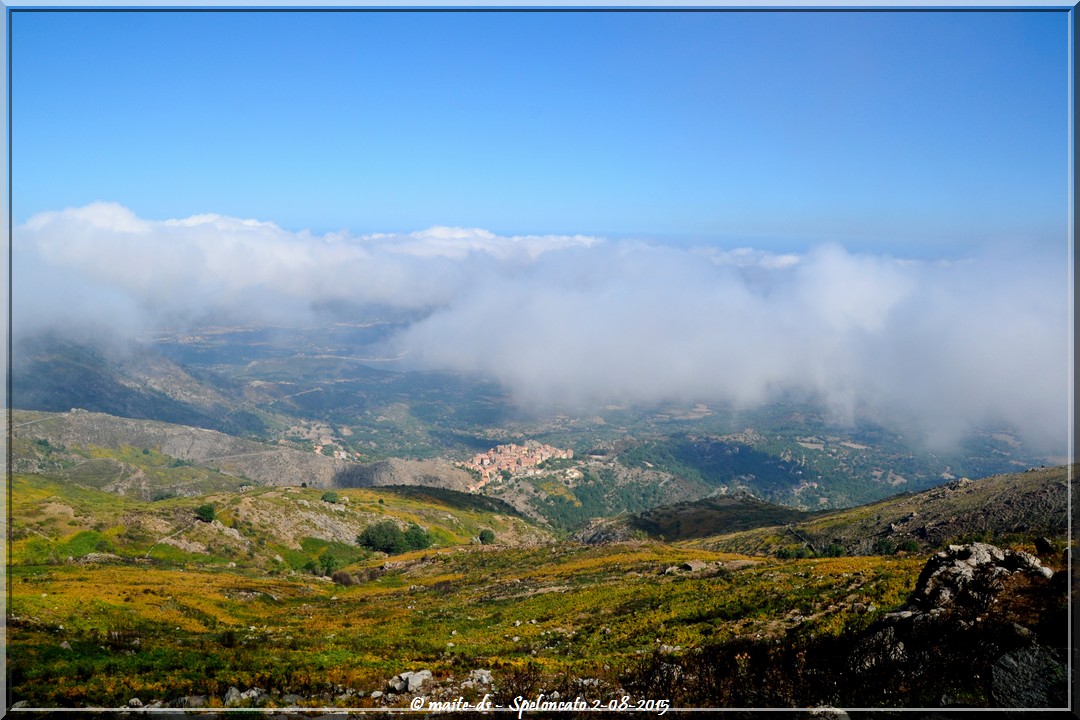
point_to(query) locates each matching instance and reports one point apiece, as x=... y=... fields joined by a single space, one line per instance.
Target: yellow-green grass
x=568 y=609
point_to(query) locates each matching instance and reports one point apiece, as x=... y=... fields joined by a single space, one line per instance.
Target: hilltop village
x=513 y=459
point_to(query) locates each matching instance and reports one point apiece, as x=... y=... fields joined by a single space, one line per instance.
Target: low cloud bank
x=571 y=321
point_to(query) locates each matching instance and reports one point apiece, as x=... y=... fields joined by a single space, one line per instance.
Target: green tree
x=416 y=538
x=487 y=536
x=387 y=537
x=205 y=513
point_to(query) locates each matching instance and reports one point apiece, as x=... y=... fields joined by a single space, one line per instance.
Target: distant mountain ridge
x=56 y=375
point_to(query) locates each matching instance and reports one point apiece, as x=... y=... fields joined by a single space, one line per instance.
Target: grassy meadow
x=155 y=631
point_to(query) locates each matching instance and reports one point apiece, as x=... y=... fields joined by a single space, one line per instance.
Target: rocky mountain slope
x=50 y=440
x=1019 y=505
x=72 y=443
x=124 y=379
x=1022 y=505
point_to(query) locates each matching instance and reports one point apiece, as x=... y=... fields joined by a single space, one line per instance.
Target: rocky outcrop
x=966 y=577
x=979 y=628
x=984 y=627
x=604 y=531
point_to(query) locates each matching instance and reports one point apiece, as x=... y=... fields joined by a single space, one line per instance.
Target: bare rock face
x=394 y=471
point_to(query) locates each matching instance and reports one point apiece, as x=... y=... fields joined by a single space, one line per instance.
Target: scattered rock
x=254 y=694
x=134 y=703
x=376 y=695
x=409 y=681
x=481 y=676
x=65 y=645
x=191 y=701
x=232 y=696
x=694 y=565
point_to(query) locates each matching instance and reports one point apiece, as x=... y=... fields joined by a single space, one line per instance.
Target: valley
x=238 y=519
x=122 y=596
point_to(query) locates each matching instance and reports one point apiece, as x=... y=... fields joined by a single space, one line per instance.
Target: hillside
x=714 y=515
x=1019 y=505
x=151 y=460
x=644 y=620
x=128 y=380
x=104 y=451
x=278 y=531
x=272 y=600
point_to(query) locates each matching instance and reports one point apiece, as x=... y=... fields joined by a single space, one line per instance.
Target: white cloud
x=453 y=242
x=565 y=320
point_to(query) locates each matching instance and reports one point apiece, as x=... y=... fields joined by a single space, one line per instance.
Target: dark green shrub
x=329 y=564
x=487 y=536
x=330 y=497
x=884 y=546
x=205 y=513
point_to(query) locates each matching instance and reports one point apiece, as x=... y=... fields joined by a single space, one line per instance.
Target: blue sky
x=912 y=132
